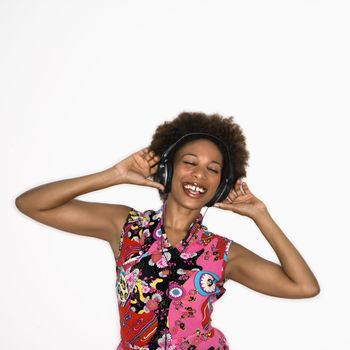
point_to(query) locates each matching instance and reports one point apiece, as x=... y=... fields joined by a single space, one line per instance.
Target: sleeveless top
x=165 y=293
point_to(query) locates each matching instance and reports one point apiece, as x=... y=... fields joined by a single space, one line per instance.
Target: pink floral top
x=166 y=293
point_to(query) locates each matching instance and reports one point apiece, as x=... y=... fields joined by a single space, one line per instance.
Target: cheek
x=177 y=174
x=215 y=181
x=180 y=171
x=216 y=184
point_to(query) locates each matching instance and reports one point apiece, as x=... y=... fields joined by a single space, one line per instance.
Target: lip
x=192 y=194
x=195 y=183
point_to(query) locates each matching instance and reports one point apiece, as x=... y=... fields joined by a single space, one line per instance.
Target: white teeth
x=195 y=188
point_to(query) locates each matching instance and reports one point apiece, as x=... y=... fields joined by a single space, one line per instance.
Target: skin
x=54 y=204
x=198 y=161
x=291 y=279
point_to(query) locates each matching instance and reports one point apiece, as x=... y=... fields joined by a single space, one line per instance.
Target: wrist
x=260 y=214
x=113 y=176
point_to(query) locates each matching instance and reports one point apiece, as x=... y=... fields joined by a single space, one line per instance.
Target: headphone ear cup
x=164 y=174
x=160 y=174
x=224 y=191
x=168 y=170
x=221 y=193
x=217 y=196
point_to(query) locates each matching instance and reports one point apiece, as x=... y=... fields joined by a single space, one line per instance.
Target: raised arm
x=54 y=203
x=292 y=279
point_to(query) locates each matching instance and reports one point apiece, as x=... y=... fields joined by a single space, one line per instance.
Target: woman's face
x=197 y=173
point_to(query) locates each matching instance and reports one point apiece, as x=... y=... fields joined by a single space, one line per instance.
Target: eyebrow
x=191 y=154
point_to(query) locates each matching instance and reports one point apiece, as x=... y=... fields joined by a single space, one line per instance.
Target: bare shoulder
x=120 y=214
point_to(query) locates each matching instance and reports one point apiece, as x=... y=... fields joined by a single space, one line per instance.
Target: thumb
x=155 y=184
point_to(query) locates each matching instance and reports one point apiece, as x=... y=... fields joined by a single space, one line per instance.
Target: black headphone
x=165 y=166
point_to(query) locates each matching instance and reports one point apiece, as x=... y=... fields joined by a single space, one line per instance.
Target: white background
x=84 y=83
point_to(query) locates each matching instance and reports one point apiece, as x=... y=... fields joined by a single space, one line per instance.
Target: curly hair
x=224 y=128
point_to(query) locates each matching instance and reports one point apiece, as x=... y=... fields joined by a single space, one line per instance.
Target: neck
x=178 y=218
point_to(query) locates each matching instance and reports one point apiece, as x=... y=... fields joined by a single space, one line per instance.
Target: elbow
x=312 y=291
x=20 y=204
x=316 y=291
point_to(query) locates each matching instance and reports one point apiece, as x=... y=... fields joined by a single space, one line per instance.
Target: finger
x=154 y=169
x=237 y=187
x=154 y=160
x=233 y=192
x=222 y=205
x=241 y=188
x=154 y=184
x=228 y=200
x=143 y=151
x=140 y=157
x=246 y=188
x=149 y=155
x=231 y=196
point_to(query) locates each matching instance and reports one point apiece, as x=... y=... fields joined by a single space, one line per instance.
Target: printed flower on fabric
x=186 y=273
x=186 y=255
x=175 y=291
x=157 y=215
x=164 y=273
x=145 y=287
x=207 y=283
x=169 y=345
x=131 y=278
x=151 y=304
x=145 y=220
x=144 y=235
x=159 y=259
x=131 y=234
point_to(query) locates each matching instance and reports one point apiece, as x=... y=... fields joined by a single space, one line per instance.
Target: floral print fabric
x=166 y=293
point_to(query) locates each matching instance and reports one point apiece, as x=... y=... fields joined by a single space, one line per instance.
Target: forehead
x=201 y=147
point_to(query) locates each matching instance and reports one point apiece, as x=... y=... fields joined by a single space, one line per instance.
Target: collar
x=198 y=220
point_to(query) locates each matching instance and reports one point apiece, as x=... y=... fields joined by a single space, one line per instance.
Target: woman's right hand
x=138 y=167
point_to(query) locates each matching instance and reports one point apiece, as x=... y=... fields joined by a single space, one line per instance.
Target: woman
x=170 y=267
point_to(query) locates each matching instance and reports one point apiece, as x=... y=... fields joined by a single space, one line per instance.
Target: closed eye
x=211 y=169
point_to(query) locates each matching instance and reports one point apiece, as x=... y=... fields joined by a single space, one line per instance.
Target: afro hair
x=224 y=128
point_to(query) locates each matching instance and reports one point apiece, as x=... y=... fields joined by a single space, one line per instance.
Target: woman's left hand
x=241 y=200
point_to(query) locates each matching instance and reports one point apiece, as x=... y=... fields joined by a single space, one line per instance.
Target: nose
x=198 y=173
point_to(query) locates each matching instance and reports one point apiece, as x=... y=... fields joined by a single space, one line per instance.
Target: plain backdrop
x=85 y=83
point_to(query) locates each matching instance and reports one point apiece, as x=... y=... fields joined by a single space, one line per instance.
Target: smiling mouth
x=193 y=190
